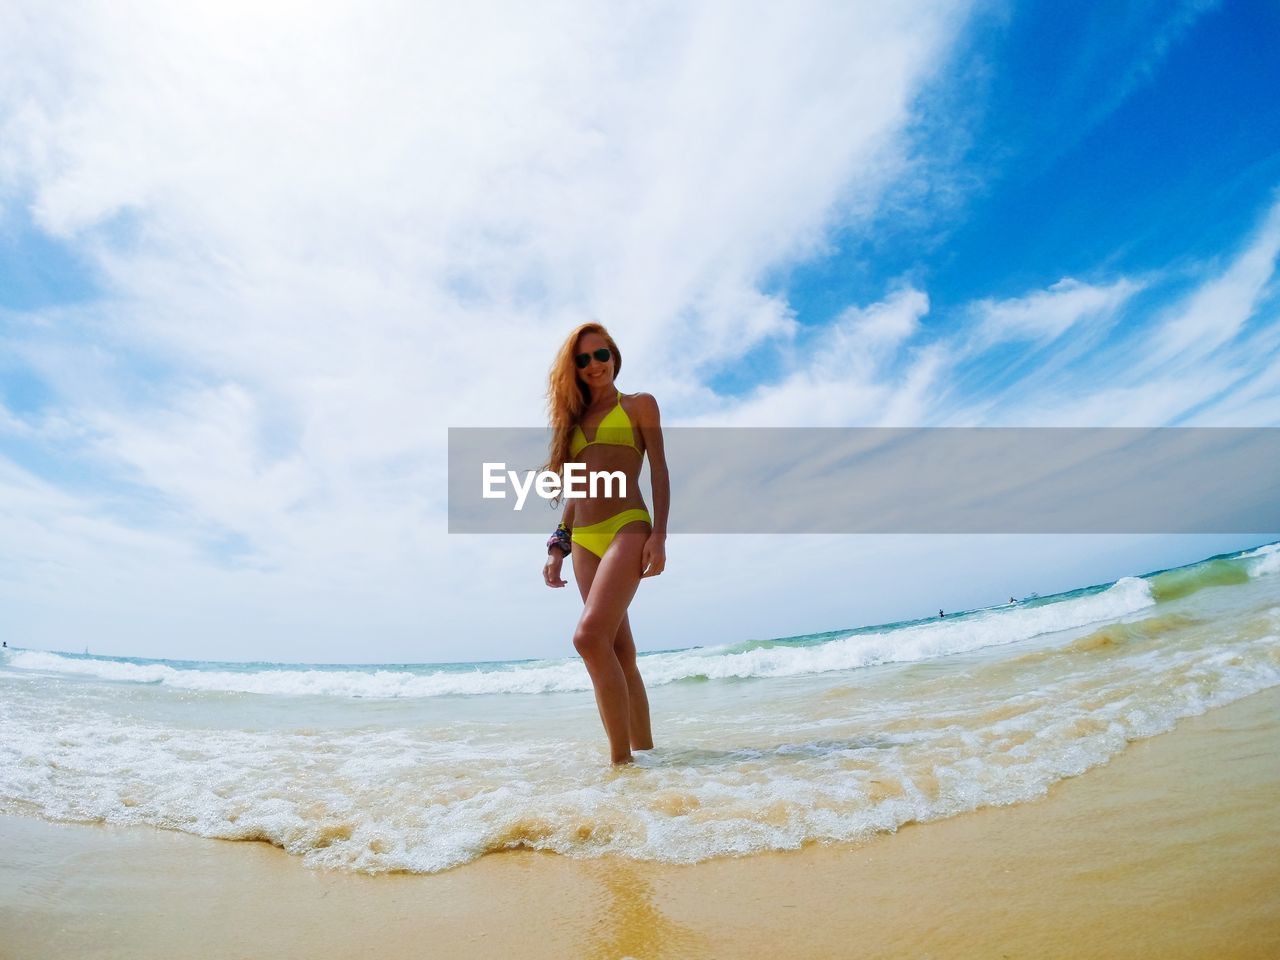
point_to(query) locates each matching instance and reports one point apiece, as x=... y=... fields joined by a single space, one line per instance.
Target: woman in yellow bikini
x=613 y=539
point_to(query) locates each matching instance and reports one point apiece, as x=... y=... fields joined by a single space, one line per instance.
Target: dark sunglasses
x=583 y=359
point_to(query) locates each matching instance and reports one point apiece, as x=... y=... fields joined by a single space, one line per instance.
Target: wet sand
x=1169 y=850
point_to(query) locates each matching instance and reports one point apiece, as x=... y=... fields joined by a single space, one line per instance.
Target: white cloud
x=1175 y=21
x=1080 y=355
x=1254 y=397
x=1218 y=310
x=1045 y=315
x=851 y=372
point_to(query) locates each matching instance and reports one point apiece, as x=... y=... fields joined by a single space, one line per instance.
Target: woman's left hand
x=654 y=558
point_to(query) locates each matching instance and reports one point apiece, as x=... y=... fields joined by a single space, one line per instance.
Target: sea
x=759 y=745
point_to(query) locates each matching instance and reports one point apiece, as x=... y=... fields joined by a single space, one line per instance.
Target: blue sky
x=1148 y=141
x=253 y=264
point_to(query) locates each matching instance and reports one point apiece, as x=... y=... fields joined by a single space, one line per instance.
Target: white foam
x=919 y=642
x=1263 y=561
x=550 y=678
x=928 y=641
x=427 y=799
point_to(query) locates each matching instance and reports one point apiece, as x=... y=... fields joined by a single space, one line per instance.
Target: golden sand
x=1169 y=851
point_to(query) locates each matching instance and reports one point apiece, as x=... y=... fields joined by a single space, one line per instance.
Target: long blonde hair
x=567 y=396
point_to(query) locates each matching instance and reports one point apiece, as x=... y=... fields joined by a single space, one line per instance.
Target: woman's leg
x=624 y=645
x=607 y=590
x=585 y=564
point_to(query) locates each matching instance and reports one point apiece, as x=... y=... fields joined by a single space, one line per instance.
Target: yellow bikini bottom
x=596 y=537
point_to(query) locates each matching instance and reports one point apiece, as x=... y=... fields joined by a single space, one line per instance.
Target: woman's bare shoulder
x=643 y=404
x=643 y=399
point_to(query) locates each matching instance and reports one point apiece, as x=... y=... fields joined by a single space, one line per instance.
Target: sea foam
x=921 y=641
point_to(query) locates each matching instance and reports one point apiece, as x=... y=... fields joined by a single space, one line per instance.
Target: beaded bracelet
x=560 y=538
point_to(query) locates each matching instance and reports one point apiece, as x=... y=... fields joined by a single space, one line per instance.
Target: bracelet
x=560 y=538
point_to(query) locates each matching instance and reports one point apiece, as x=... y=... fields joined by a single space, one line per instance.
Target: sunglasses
x=583 y=359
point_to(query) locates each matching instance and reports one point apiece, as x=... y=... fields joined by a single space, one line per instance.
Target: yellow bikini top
x=615 y=429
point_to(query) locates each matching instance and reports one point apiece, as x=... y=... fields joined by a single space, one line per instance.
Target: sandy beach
x=1169 y=850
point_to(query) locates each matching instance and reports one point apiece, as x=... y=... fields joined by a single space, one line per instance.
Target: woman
x=613 y=539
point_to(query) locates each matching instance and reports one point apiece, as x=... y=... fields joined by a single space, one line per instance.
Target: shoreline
x=1167 y=850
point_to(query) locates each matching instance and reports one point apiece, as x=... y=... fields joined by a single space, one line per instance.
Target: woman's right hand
x=551 y=569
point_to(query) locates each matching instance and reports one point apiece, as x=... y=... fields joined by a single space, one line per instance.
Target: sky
x=255 y=261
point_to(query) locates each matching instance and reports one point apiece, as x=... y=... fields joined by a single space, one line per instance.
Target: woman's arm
x=555 y=558
x=649 y=420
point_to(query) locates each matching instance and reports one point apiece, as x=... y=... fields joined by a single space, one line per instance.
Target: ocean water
x=761 y=745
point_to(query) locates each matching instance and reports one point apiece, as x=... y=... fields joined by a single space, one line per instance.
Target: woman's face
x=598 y=373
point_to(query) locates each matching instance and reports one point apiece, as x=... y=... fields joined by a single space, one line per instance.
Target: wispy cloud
x=1045 y=315
x=1219 y=309
x=1169 y=25
x=1126 y=351
x=1163 y=362
x=855 y=370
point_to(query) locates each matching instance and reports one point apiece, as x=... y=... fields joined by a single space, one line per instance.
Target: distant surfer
x=613 y=540
x=941 y=614
x=1011 y=600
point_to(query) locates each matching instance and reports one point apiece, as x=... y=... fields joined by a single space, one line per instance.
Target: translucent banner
x=890 y=480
